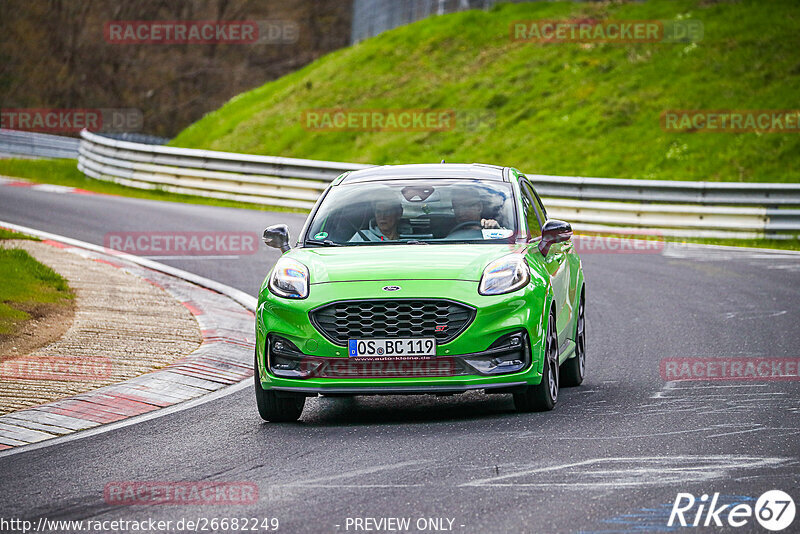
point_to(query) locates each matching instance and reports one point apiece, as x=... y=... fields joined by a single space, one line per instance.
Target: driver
x=383 y=227
x=468 y=208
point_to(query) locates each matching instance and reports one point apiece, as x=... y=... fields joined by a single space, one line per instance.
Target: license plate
x=404 y=347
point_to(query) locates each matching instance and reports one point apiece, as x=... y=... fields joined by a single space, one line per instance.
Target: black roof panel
x=474 y=171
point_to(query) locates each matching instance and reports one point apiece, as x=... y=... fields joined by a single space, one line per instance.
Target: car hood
x=399 y=262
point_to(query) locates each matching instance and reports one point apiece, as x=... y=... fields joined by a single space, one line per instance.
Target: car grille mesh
x=437 y=318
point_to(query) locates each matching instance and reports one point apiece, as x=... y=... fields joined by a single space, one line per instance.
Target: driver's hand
x=489 y=223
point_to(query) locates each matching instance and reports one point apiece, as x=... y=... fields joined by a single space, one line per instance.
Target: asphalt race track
x=611 y=458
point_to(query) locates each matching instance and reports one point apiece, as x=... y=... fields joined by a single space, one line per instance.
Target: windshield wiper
x=325 y=243
x=415 y=242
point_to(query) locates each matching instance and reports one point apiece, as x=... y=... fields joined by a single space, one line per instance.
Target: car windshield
x=415 y=211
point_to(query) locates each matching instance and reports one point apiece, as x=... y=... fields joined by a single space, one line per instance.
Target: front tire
x=543 y=397
x=574 y=369
x=275 y=407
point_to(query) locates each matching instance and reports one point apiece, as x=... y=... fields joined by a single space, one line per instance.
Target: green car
x=422 y=279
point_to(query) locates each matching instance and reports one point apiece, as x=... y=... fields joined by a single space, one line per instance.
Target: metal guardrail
x=677 y=209
x=41 y=145
x=275 y=181
x=32 y=144
x=136 y=137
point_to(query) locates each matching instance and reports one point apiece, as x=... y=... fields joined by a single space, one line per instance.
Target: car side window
x=529 y=205
x=541 y=214
x=540 y=211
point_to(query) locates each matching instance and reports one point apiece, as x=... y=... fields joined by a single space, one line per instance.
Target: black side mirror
x=277 y=236
x=554 y=231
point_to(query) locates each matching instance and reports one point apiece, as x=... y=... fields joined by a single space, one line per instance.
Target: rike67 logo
x=774 y=510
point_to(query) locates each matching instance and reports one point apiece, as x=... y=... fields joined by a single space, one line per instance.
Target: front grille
x=396 y=318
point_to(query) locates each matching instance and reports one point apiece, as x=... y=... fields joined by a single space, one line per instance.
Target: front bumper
x=448 y=389
x=464 y=358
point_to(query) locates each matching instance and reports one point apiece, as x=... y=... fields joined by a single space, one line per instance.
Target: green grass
x=65 y=172
x=561 y=109
x=26 y=284
x=10 y=234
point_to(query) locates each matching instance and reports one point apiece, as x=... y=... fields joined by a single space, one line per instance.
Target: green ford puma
x=415 y=279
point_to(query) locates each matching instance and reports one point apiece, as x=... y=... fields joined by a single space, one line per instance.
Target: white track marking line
x=715 y=467
x=739 y=396
x=730 y=386
x=357 y=472
x=736 y=432
x=187 y=257
x=492 y=480
x=352 y=486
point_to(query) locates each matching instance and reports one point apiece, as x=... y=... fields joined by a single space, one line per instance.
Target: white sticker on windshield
x=497 y=233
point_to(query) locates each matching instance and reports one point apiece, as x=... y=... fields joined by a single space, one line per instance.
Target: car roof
x=471 y=171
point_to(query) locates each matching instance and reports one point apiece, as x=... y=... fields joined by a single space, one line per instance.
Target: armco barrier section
x=39 y=145
x=603 y=205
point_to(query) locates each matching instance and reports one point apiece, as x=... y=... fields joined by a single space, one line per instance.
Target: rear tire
x=574 y=369
x=543 y=397
x=276 y=407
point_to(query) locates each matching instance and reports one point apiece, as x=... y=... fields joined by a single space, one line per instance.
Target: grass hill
x=567 y=109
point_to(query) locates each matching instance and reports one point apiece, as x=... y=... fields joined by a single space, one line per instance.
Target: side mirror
x=554 y=231
x=277 y=236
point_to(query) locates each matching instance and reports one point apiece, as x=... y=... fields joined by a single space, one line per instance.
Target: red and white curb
x=47 y=188
x=224 y=358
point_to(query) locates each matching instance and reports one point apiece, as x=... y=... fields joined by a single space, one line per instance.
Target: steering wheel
x=459 y=226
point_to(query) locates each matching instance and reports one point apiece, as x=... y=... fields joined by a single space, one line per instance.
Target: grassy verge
x=65 y=172
x=27 y=287
x=10 y=234
x=777 y=244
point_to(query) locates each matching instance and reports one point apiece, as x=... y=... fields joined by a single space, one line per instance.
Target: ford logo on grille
x=391 y=288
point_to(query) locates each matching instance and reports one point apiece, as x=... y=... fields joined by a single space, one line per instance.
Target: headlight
x=289 y=279
x=504 y=275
